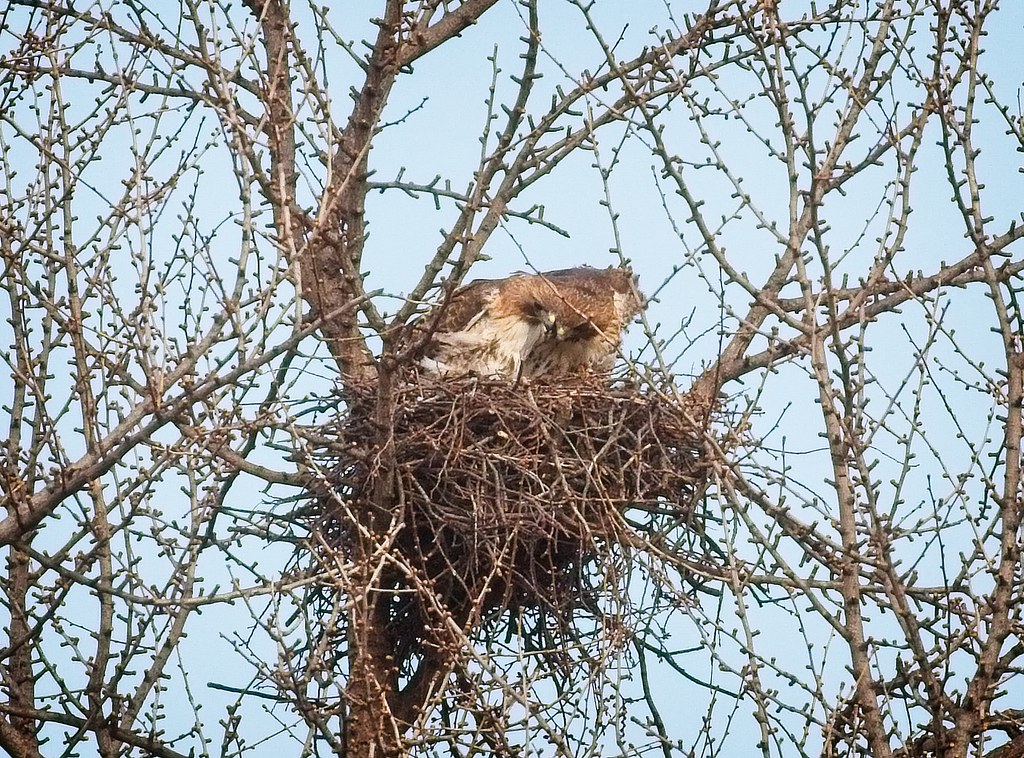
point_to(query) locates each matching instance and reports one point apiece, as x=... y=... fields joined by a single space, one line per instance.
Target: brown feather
x=467 y=303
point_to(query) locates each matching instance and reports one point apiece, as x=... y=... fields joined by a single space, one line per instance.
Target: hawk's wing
x=479 y=330
x=467 y=305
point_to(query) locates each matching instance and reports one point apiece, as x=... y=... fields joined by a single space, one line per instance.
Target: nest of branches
x=495 y=497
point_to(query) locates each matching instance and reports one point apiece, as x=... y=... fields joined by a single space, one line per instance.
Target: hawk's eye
x=534 y=309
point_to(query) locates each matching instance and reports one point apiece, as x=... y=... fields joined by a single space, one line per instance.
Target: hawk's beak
x=550 y=324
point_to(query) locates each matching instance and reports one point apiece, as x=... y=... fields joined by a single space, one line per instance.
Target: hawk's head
x=536 y=310
x=560 y=319
x=569 y=326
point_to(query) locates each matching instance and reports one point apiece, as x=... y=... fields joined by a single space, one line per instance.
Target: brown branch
x=893 y=295
x=151 y=745
x=822 y=182
x=325 y=251
x=452 y=24
x=27 y=511
x=1001 y=607
x=18 y=734
x=477 y=198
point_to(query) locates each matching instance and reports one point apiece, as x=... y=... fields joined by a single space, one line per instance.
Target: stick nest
x=498 y=495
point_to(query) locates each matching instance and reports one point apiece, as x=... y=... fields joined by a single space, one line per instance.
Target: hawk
x=533 y=325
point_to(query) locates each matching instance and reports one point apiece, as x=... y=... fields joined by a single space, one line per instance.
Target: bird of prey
x=527 y=326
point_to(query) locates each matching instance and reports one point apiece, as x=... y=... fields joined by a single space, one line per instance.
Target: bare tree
x=215 y=232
